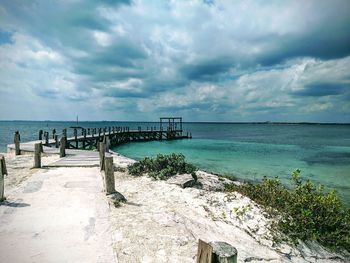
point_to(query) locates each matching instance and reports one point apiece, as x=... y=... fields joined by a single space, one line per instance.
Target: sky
x=204 y=60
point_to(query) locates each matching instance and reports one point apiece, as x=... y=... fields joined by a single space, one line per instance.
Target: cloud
x=322 y=89
x=224 y=60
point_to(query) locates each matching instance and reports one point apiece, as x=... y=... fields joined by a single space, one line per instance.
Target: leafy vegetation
x=303 y=212
x=163 y=166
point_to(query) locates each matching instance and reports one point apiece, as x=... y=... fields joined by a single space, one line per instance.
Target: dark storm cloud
x=118 y=61
x=206 y=70
x=323 y=46
x=322 y=89
x=120 y=93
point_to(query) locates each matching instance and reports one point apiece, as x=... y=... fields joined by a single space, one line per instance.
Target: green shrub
x=163 y=166
x=303 y=212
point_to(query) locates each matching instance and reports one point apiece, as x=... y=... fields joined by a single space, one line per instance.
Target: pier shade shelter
x=170 y=123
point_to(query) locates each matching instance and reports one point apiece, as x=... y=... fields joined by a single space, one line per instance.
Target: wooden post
x=46 y=135
x=37 y=155
x=3 y=171
x=223 y=252
x=56 y=141
x=53 y=133
x=16 y=140
x=41 y=135
x=109 y=175
x=216 y=252
x=102 y=151
x=88 y=131
x=107 y=142
x=204 y=253
x=63 y=146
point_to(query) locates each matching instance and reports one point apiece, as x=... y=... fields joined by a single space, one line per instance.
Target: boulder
x=183 y=180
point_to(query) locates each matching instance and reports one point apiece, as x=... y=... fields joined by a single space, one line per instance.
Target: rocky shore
x=162 y=221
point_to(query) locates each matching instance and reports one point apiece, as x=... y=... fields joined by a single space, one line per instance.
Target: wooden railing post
x=53 y=133
x=102 y=151
x=56 y=141
x=37 y=155
x=216 y=252
x=16 y=140
x=106 y=142
x=46 y=135
x=109 y=175
x=63 y=146
x=3 y=171
x=41 y=135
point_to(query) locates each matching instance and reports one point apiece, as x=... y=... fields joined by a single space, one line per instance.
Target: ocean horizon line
x=199 y=122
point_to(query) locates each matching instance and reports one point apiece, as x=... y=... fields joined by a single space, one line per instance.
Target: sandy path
x=57 y=215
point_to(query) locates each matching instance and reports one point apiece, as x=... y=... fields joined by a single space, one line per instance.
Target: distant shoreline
x=199 y=122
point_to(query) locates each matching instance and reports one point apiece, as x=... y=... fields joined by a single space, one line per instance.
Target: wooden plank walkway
x=74 y=158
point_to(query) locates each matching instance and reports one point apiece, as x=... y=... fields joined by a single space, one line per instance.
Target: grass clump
x=303 y=212
x=163 y=166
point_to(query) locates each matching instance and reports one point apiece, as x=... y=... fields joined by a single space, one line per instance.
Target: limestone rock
x=116 y=196
x=183 y=180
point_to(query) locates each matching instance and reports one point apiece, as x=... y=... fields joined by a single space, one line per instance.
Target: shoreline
x=164 y=207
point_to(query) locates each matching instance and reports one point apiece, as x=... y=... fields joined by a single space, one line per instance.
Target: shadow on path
x=13 y=204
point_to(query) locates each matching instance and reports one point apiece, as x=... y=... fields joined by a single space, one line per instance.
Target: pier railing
x=89 y=138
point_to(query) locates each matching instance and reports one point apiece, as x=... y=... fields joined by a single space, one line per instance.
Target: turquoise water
x=247 y=151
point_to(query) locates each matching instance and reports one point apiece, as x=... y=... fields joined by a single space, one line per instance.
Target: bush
x=163 y=166
x=304 y=212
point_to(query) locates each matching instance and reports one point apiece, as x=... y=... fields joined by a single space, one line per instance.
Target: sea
x=247 y=151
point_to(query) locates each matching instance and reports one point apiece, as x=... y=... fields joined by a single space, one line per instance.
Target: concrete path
x=74 y=158
x=58 y=215
x=78 y=158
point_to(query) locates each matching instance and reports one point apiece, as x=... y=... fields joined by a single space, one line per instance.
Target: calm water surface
x=248 y=151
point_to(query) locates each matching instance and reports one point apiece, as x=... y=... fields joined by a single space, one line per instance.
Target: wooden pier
x=170 y=128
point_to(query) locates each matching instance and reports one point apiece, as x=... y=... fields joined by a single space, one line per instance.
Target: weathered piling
x=57 y=143
x=102 y=152
x=37 y=155
x=40 y=135
x=63 y=146
x=106 y=142
x=16 y=140
x=46 y=135
x=109 y=175
x=216 y=252
x=53 y=133
x=3 y=171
